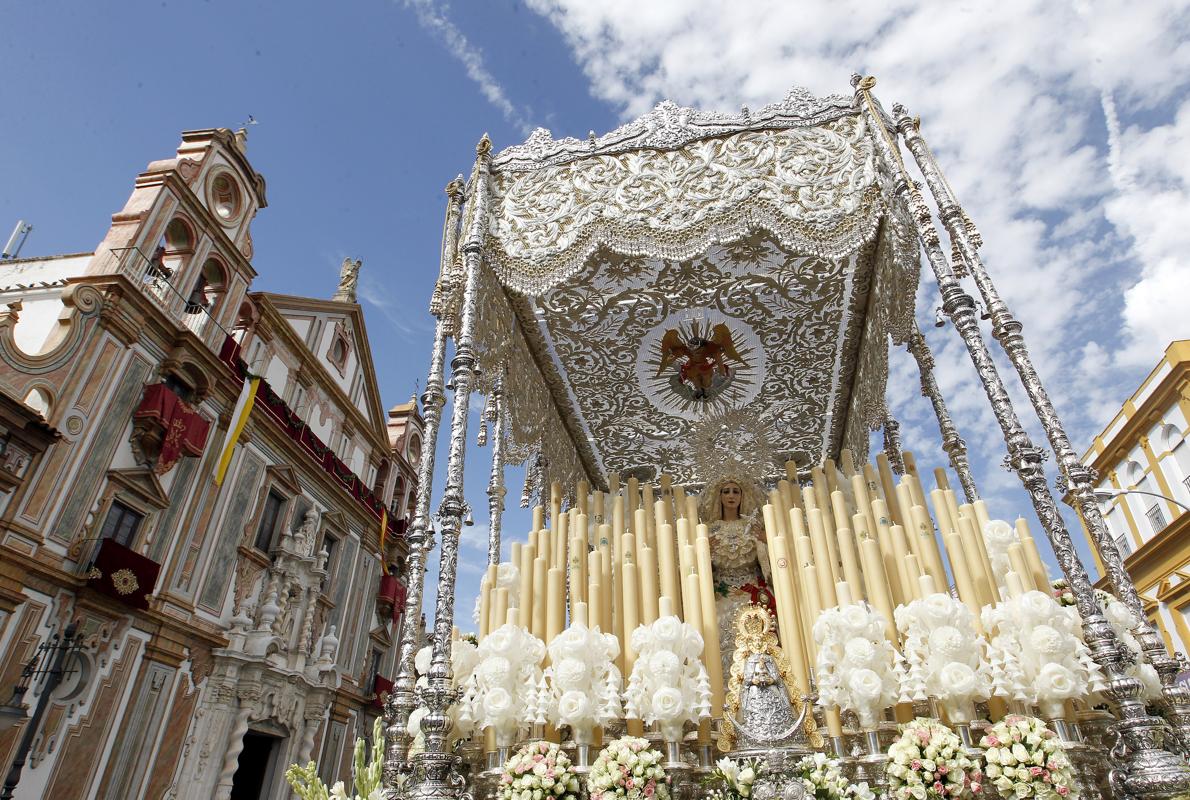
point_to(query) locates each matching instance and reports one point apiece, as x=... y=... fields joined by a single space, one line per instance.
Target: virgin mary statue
x=730 y=507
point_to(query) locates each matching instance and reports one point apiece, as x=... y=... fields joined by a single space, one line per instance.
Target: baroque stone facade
x=237 y=615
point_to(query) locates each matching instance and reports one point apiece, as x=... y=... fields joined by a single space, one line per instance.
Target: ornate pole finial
x=484 y=147
x=455 y=188
x=348 y=279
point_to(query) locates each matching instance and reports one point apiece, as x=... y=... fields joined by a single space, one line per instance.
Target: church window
x=225 y=197
x=121 y=524
x=269 y=518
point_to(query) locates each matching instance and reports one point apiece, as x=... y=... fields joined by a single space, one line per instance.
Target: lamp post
x=1104 y=495
x=56 y=650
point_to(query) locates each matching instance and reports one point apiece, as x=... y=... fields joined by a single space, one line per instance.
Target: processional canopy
x=692 y=271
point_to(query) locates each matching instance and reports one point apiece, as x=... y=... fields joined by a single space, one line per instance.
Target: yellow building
x=1143 y=460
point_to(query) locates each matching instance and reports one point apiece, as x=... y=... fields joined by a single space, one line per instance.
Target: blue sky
x=367 y=109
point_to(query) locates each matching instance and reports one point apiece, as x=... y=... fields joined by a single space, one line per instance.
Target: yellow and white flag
x=239 y=419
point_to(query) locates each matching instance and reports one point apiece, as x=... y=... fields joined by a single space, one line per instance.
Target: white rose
x=958 y=679
x=1037 y=605
x=859 y=652
x=507 y=575
x=1056 y=682
x=1046 y=640
x=855 y=617
x=573 y=706
x=937 y=608
x=571 y=642
x=571 y=673
x=865 y=685
x=499 y=642
x=667 y=703
x=497 y=703
x=494 y=671
x=665 y=666
x=667 y=632
x=421 y=661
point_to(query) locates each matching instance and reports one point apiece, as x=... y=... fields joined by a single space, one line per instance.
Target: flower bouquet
x=733 y=780
x=945 y=655
x=668 y=685
x=857 y=668
x=1025 y=759
x=824 y=780
x=628 y=769
x=927 y=762
x=538 y=770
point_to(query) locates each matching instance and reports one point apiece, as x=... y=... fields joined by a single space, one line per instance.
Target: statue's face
x=730 y=496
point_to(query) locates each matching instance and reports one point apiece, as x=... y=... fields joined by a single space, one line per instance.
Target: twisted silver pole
x=496 y=481
x=1079 y=479
x=1147 y=769
x=436 y=775
x=402 y=700
x=892 y=444
x=953 y=444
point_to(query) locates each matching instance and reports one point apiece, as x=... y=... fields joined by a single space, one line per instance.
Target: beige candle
x=680 y=504
x=605 y=567
x=613 y=482
x=560 y=547
x=849 y=552
x=648 y=504
x=1036 y=566
x=843 y=593
x=889 y=487
x=578 y=614
x=582 y=496
x=525 y=601
x=640 y=527
x=486 y=587
x=595 y=597
x=555 y=620
x=826 y=576
x=863 y=505
x=629 y=615
x=692 y=507
x=538 y=517
x=791 y=620
x=927 y=585
x=664 y=607
x=981 y=571
x=981 y=514
x=901 y=549
x=781 y=510
x=879 y=594
x=670 y=586
x=787 y=494
x=1016 y=558
x=1012 y=584
x=888 y=552
x=694 y=607
x=537 y=621
x=928 y=543
x=968 y=510
x=710 y=626
x=952 y=505
x=649 y=595
x=940 y=478
x=577 y=572
x=913 y=575
x=791 y=471
x=633 y=493
x=597 y=506
x=946 y=525
x=500 y=600
x=810 y=576
x=962 y=577
x=905 y=517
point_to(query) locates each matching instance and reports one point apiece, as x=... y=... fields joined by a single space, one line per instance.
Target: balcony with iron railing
x=156 y=280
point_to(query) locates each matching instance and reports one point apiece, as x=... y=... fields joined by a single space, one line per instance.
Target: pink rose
x=976 y=788
x=1063 y=790
x=915 y=764
x=649 y=789
x=938 y=787
x=1035 y=771
x=943 y=769
x=992 y=741
x=629 y=784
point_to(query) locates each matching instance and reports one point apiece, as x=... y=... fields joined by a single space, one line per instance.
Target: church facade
x=203 y=479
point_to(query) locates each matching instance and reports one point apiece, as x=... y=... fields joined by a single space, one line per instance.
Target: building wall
x=276 y=638
x=1145 y=448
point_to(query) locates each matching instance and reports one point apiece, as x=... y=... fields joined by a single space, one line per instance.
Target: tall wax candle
x=648 y=586
x=525 y=600
x=928 y=543
x=849 y=552
x=710 y=626
x=648 y=505
x=946 y=525
x=538 y=517
x=670 y=586
x=555 y=620
x=889 y=487
x=1033 y=556
x=826 y=576
x=540 y=598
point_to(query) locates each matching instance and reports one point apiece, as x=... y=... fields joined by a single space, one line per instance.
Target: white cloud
x=432 y=16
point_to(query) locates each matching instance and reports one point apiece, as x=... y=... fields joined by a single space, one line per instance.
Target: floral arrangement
x=505 y=690
x=463 y=659
x=1124 y=623
x=366 y=775
x=1025 y=759
x=628 y=769
x=945 y=655
x=857 y=669
x=584 y=684
x=823 y=779
x=538 y=770
x=733 y=780
x=927 y=762
x=1036 y=653
x=668 y=685
x=998 y=536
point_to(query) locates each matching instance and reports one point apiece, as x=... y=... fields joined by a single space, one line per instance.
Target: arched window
x=209 y=287
x=174 y=248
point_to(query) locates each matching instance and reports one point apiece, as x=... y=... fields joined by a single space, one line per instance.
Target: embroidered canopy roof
x=689 y=267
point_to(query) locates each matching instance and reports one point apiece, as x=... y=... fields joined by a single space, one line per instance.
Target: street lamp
x=55 y=653
x=1105 y=495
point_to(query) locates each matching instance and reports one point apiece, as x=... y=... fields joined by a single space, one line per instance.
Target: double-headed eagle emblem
x=700 y=359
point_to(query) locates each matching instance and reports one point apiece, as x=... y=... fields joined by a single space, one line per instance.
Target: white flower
x=865 y=685
x=947 y=641
x=500 y=641
x=667 y=703
x=1045 y=640
x=571 y=673
x=1038 y=606
x=494 y=671
x=497 y=702
x=570 y=643
x=665 y=666
x=855 y=618
x=958 y=679
x=574 y=706
x=859 y=652
x=421 y=661
x=667 y=632
x=1056 y=682
x=937 y=609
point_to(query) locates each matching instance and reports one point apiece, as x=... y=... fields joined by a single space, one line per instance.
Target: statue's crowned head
x=726 y=493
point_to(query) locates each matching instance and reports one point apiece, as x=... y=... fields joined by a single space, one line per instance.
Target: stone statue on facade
x=348 y=279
